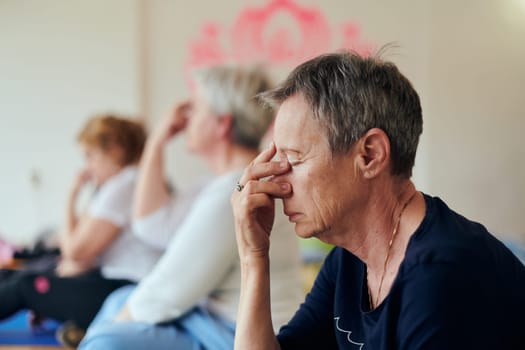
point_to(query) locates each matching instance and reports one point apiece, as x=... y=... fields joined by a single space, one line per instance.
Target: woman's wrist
x=155 y=145
x=259 y=260
x=73 y=195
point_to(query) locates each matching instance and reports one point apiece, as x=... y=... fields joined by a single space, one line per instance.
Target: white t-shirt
x=127 y=257
x=201 y=263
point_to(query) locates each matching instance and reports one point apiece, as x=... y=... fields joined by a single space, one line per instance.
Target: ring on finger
x=239 y=187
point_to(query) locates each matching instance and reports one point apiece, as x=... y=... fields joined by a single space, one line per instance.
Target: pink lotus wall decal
x=280 y=33
x=253 y=37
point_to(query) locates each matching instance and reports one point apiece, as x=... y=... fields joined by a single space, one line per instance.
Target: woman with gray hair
x=407 y=272
x=189 y=300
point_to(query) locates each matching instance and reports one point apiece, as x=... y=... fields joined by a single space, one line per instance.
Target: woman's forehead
x=296 y=132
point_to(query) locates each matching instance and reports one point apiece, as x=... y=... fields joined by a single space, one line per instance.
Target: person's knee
x=30 y=285
x=101 y=338
x=136 y=336
x=113 y=304
x=103 y=342
x=118 y=298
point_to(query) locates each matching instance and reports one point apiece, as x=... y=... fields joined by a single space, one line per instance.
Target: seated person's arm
x=195 y=263
x=254 y=219
x=152 y=192
x=255 y=297
x=312 y=326
x=157 y=228
x=71 y=214
x=85 y=239
x=80 y=248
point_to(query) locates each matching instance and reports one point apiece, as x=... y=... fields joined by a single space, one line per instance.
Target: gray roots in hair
x=349 y=95
x=232 y=90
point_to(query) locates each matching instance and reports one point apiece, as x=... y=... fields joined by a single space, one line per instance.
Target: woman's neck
x=382 y=219
x=384 y=255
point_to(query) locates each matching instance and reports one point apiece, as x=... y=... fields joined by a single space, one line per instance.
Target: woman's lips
x=293 y=217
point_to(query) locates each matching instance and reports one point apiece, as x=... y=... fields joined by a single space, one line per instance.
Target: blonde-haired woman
x=99 y=253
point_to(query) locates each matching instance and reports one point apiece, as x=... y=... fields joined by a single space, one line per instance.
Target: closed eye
x=294 y=162
x=293 y=157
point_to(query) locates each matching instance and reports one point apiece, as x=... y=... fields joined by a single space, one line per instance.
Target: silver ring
x=239 y=187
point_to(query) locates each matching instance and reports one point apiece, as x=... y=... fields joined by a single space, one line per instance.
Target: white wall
x=474 y=111
x=61 y=60
x=170 y=30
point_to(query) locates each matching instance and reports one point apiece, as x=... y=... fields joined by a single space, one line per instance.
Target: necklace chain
x=394 y=232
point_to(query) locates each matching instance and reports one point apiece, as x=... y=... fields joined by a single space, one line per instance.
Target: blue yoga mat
x=17 y=331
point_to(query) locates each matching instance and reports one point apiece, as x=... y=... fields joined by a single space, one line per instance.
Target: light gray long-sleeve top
x=201 y=265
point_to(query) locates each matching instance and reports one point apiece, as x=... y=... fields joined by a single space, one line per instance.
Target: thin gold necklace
x=394 y=232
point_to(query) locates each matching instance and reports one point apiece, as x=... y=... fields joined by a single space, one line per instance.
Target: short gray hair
x=350 y=95
x=232 y=90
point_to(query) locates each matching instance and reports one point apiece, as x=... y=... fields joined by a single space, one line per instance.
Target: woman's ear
x=373 y=153
x=224 y=125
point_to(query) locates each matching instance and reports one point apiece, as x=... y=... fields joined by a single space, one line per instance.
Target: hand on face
x=174 y=122
x=254 y=207
x=82 y=178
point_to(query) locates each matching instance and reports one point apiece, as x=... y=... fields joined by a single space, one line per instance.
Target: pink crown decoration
x=279 y=33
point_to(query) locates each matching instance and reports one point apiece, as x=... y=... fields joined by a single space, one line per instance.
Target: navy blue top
x=457 y=288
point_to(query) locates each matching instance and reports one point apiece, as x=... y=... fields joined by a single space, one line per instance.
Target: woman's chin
x=303 y=231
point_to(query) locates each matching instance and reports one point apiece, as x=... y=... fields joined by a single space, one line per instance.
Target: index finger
x=263 y=166
x=266 y=155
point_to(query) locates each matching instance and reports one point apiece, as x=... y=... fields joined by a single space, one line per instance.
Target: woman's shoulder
x=452 y=241
x=117 y=193
x=445 y=234
x=123 y=181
